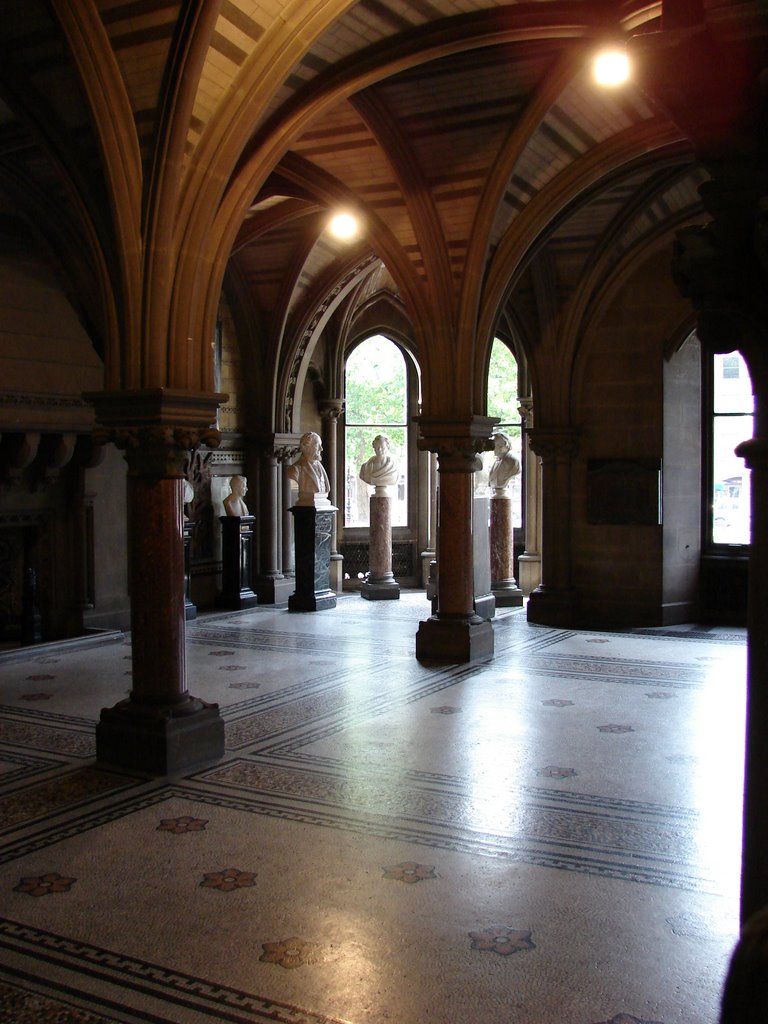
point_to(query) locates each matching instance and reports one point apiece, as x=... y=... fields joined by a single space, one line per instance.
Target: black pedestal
x=190 y=610
x=312 y=529
x=236 y=561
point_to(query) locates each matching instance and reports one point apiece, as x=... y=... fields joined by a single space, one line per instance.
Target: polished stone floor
x=549 y=838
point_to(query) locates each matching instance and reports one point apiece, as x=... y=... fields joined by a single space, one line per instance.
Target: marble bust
x=380 y=471
x=504 y=467
x=309 y=473
x=234 y=504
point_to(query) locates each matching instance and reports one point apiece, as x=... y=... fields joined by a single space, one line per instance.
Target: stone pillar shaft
x=381 y=583
x=503 y=582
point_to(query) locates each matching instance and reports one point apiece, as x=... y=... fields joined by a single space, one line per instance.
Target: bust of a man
x=309 y=472
x=234 y=505
x=381 y=470
x=504 y=467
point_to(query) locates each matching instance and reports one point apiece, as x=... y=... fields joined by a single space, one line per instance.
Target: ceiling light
x=611 y=67
x=344 y=226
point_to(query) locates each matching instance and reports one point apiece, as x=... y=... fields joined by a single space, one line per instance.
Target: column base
x=380 y=590
x=274 y=590
x=507 y=595
x=550 y=607
x=485 y=605
x=336 y=572
x=166 y=739
x=454 y=640
x=236 y=602
x=190 y=610
x=529 y=572
x=315 y=601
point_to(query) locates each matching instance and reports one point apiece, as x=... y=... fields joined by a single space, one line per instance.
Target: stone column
x=754 y=871
x=503 y=583
x=289 y=564
x=454 y=632
x=529 y=563
x=552 y=602
x=330 y=409
x=160 y=729
x=427 y=511
x=271 y=584
x=381 y=584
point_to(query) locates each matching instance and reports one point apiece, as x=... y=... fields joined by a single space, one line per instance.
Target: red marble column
x=454 y=632
x=160 y=729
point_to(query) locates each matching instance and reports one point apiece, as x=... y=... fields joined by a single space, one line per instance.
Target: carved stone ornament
x=159 y=452
x=551 y=443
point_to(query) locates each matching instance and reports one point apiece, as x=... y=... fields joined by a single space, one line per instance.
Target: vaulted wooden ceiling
x=467 y=134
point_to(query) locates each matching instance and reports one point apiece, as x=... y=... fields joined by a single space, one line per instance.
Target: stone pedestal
x=236 y=561
x=448 y=638
x=190 y=609
x=381 y=584
x=313 y=529
x=484 y=601
x=503 y=583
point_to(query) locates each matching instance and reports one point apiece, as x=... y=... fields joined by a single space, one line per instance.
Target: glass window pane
x=731 y=480
x=733 y=388
x=502 y=384
x=375 y=383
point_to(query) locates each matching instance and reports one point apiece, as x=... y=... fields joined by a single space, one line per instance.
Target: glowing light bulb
x=611 y=67
x=344 y=226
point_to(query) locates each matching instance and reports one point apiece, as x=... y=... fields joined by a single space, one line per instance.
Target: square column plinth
x=454 y=639
x=313 y=529
x=163 y=740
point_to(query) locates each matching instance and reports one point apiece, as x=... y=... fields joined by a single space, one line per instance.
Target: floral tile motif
x=45 y=885
x=553 y=771
x=556 y=702
x=220 y=654
x=228 y=879
x=38 y=677
x=231 y=668
x=36 y=696
x=445 y=709
x=410 y=871
x=627 y=1018
x=615 y=728
x=245 y=686
x=289 y=953
x=503 y=941
x=183 y=824
x=660 y=695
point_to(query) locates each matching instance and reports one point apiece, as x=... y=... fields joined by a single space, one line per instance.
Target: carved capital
x=159 y=451
x=552 y=443
x=525 y=409
x=331 y=408
x=457 y=442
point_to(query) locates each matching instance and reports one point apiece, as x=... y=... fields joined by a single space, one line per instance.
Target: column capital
x=525 y=408
x=331 y=408
x=554 y=442
x=157 y=427
x=457 y=442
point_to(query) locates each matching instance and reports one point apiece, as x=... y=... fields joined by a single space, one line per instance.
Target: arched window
x=503 y=402
x=376 y=402
x=731 y=412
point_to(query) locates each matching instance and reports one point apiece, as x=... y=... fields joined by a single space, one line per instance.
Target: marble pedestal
x=381 y=584
x=503 y=583
x=312 y=527
x=459 y=639
x=236 y=561
x=190 y=609
x=484 y=600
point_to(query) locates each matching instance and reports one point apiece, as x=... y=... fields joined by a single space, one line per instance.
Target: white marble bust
x=505 y=466
x=309 y=473
x=380 y=471
x=234 y=504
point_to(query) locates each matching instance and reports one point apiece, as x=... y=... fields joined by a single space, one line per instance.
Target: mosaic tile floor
x=550 y=838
